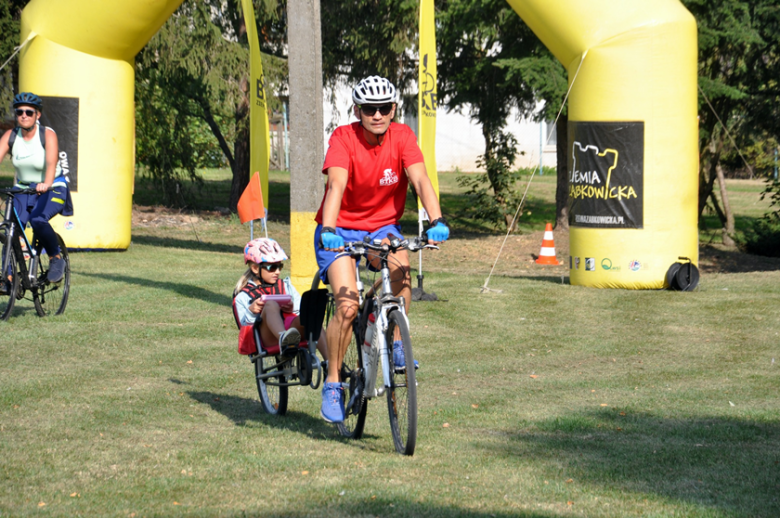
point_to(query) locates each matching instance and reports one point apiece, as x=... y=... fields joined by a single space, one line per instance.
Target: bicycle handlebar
x=16 y=190
x=359 y=247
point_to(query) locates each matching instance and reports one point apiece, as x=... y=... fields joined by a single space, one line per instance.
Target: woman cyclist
x=35 y=156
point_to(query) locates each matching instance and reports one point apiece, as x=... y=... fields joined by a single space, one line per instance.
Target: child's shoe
x=288 y=342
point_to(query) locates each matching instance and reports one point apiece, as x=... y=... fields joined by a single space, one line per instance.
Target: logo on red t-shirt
x=390 y=178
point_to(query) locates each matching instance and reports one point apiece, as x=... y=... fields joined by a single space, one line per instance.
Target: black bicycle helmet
x=28 y=99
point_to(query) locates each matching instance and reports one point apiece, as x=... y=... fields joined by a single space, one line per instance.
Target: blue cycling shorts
x=326 y=257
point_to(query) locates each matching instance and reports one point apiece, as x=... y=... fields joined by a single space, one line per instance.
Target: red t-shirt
x=376 y=190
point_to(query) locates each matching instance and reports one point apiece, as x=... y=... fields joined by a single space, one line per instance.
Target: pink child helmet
x=264 y=250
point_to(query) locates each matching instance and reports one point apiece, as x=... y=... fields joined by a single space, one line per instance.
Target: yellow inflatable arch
x=632 y=122
x=633 y=129
x=80 y=60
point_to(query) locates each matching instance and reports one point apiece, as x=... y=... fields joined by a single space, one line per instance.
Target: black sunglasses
x=29 y=113
x=272 y=267
x=369 y=111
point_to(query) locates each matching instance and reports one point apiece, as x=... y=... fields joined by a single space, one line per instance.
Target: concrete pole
x=306 y=135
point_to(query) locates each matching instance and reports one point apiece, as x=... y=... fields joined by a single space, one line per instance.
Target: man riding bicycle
x=369 y=164
x=35 y=155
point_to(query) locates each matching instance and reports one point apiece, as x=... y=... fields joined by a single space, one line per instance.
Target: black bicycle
x=25 y=266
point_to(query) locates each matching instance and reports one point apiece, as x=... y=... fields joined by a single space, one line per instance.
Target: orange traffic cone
x=547 y=254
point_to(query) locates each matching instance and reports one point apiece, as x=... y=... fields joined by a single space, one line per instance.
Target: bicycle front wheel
x=8 y=293
x=402 y=394
x=272 y=397
x=50 y=298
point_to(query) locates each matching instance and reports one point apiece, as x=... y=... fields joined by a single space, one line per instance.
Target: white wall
x=459 y=140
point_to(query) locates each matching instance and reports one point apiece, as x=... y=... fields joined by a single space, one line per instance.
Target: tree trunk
x=562 y=185
x=209 y=118
x=240 y=168
x=728 y=228
x=241 y=150
x=709 y=163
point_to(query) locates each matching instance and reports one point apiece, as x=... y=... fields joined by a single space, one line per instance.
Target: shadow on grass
x=185 y=290
x=21 y=308
x=187 y=244
x=728 y=464
x=396 y=507
x=215 y=193
x=713 y=260
x=241 y=410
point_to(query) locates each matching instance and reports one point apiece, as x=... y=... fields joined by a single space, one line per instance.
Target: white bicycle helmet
x=264 y=250
x=374 y=90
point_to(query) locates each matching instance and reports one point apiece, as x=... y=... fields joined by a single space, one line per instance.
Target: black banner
x=606 y=174
x=62 y=115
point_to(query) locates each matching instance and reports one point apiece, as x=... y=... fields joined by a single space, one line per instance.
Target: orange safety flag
x=250 y=205
x=259 y=134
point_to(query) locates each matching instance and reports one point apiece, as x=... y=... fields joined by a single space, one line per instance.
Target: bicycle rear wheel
x=8 y=295
x=352 y=377
x=272 y=397
x=402 y=394
x=50 y=298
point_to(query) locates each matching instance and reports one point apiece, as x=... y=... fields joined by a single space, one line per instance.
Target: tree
x=10 y=22
x=474 y=38
x=738 y=64
x=547 y=77
x=375 y=37
x=194 y=73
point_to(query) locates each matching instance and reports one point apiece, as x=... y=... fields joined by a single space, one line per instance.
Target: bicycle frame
x=382 y=307
x=12 y=222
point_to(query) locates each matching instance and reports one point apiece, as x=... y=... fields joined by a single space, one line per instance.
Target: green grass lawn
x=543 y=400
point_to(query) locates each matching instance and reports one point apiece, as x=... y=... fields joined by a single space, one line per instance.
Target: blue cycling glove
x=439 y=232
x=331 y=240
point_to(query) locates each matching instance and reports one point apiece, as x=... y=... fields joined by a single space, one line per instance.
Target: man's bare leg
x=341 y=275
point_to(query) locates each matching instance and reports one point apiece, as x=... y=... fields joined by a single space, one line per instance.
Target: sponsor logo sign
x=590 y=264
x=606 y=264
x=634 y=266
x=62 y=115
x=606 y=174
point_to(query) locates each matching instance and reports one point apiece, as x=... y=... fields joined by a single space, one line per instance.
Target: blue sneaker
x=56 y=270
x=332 y=403
x=398 y=357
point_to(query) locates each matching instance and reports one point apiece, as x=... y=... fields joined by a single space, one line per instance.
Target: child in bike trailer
x=278 y=323
x=34 y=152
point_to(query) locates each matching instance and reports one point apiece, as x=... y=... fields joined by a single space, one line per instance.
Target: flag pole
x=427 y=102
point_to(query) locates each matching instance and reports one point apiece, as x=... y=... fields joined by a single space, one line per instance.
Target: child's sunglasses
x=369 y=111
x=29 y=113
x=272 y=267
